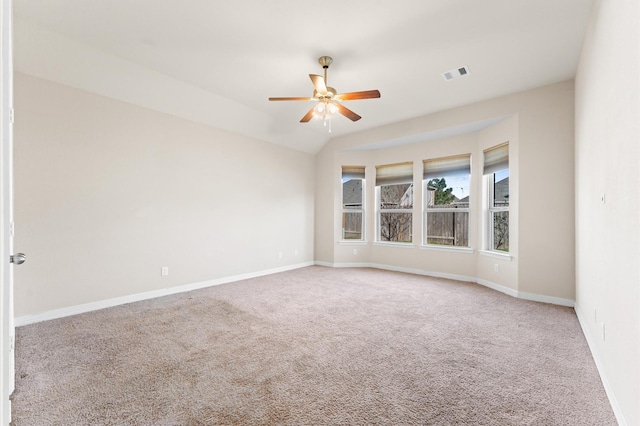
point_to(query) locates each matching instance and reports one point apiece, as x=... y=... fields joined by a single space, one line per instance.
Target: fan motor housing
x=331 y=92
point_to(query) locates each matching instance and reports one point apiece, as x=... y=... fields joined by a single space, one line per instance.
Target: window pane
x=501 y=188
x=351 y=226
x=501 y=231
x=395 y=227
x=352 y=194
x=448 y=228
x=451 y=192
x=398 y=196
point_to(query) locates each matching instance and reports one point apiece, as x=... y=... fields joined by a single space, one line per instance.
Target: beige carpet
x=310 y=347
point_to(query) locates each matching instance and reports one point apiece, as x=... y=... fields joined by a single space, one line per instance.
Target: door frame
x=7 y=328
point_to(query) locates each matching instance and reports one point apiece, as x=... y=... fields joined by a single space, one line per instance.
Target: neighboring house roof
x=501 y=190
x=461 y=202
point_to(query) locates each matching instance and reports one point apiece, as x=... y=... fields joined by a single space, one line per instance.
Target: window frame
x=394 y=174
x=351 y=171
x=491 y=211
x=496 y=159
x=449 y=167
x=425 y=227
x=380 y=211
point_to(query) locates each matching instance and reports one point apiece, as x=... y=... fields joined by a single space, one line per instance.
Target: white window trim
x=393 y=244
x=353 y=242
x=425 y=211
x=496 y=254
x=425 y=229
x=488 y=219
x=361 y=211
x=455 y=249
x=379 y=211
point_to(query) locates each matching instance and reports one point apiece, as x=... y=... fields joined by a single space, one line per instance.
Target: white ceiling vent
x=455 y=73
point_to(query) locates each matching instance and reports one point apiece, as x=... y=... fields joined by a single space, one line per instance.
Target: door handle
x=18 y=258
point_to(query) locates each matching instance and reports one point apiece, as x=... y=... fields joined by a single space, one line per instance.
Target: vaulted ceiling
x=217 y=62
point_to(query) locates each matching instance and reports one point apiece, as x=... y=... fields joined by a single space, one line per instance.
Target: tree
x=443 y=195
x=396 y=225
x=501 y=231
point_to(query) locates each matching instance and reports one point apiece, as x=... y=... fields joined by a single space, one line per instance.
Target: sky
x=460 y=184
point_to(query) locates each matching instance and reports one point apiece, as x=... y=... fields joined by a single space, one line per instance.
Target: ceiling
x=217 y=62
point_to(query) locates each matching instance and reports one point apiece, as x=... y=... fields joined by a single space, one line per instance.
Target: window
x=496 y=172
x=446 y=200
x=353 y=203
x=394 y=193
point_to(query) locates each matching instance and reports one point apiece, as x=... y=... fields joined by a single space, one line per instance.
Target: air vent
x=455 y=73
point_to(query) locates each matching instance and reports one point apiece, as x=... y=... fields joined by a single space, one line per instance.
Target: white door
x=7 y=330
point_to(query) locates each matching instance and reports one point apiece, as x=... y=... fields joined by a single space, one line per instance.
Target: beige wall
x=546 y=194
x=107 y=193
x=608 y=234
x=538 y=124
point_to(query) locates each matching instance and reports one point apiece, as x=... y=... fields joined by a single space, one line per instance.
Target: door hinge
x=12 y=116
x=12 y=229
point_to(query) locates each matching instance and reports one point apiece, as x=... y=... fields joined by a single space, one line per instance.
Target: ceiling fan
x=327 y=98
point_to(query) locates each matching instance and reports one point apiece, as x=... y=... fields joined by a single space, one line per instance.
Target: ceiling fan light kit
x=327 y=98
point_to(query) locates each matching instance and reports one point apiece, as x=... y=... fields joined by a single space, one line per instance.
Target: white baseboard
x=108 y=303
x=94 y=306
x=613 y=400
x=398 y=269
x=502 y=289
x=570 y=303
x=498 y=287
x=423 y=272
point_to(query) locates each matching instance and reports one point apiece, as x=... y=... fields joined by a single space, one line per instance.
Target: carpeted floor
x=313 y=346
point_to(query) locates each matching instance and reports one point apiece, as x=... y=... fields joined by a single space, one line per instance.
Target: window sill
x=496 y=255
x=353 y=242
x=447 y=248
x=392 y=244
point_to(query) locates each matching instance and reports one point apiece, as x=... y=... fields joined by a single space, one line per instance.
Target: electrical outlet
x=602 y=329
x=164 y=271
x=496 y=267
x=279 y=255
x=295 y=252
x=355 y=251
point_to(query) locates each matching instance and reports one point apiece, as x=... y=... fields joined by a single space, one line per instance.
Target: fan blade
x=291 y=99
x=318 y=83
x=307 y=116
x=347 y=112
x=353 y=96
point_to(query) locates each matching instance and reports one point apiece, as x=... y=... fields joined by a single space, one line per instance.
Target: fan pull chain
x=324 y=121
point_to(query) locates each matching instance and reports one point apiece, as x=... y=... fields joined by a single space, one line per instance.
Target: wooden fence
x=448 y=228
x=444 y=228
x=352 y=226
